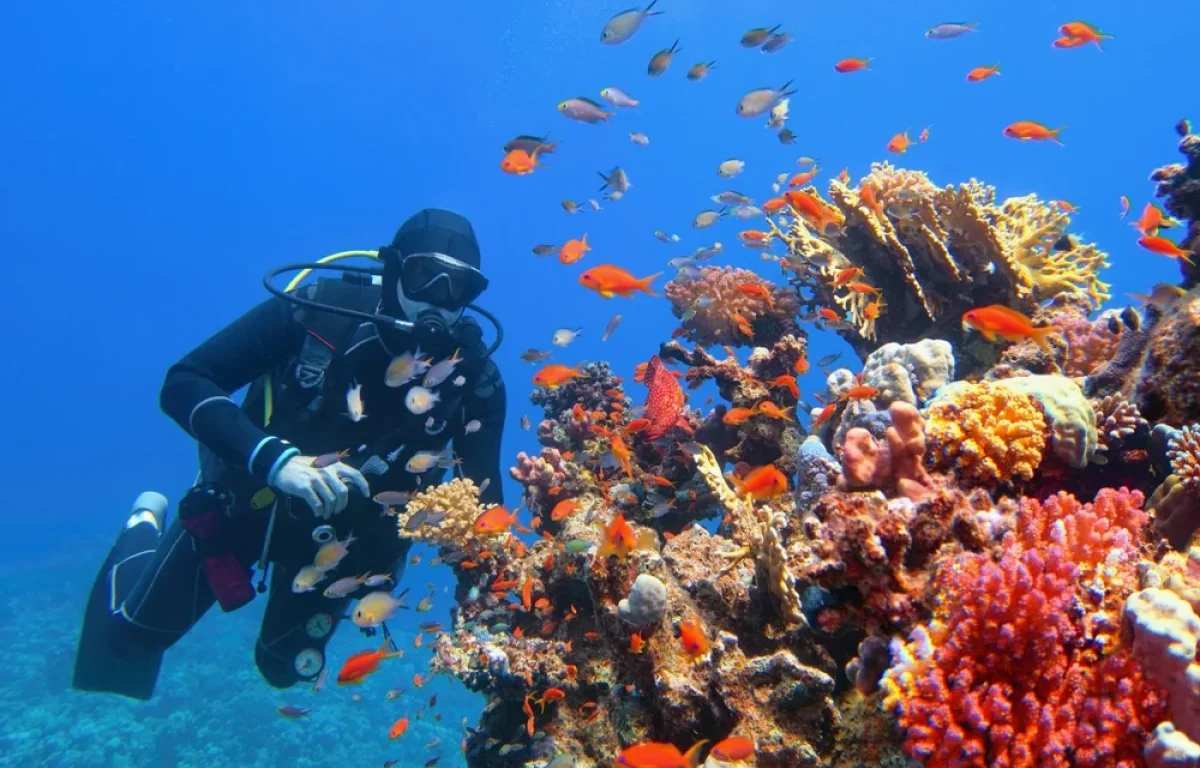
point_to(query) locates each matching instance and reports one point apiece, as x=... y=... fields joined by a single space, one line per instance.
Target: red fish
x=1027 y=130
x=619 y=538
x=733 y=749
x=664 y=401
x=851 y=65
x=360 y=665
x=982 y=73
x=653 y=754
x=766 y=482
x=997 y=321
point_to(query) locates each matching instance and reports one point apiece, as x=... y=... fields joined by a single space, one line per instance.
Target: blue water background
x=157 y=158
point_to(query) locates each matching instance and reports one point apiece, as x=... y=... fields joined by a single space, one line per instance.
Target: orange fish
x=1164 y=247
x=555 y=375
x=742 y=324
x=518 y=162
x=563 y=509
x=755 y=235
x=997 y=321
x=758 y=291
x=637 y=425
x=851 y=65
x=899 y=143
x=618 y=538
x=400 y=726
x=1064 y=206
x=814 y=210
x=735 y=416
x=1124 y=206
x=829 y=314
x=769 y=409
x=825 y=415
x=870 y=197
x=622 y=453
x=695 y=642
x=1027 y=130
x=802 y=178
x=653 y=754
x=766 y=482
x=801 y=366
x=774 y=205
x=551 y=694
x=982 y=73
x=872 y=310
x=844 y=176
x=1068 y=42
x=862 y=288
x=860 y=392
x=574 y=249
x=787 y=382
x=608 y=281
x=636 y=643
x=1080 y=30
x=733 y=749
x=493 y=521
x=527 y=594
x=1152 y=220
x=844 y=276
x=360 y=665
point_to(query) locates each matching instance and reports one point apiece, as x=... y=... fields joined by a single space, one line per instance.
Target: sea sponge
x=987 y=432
x=710 y=303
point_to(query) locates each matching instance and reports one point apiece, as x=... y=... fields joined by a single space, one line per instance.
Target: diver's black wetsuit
x=156 y=588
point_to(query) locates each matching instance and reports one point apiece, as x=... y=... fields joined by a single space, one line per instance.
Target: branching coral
x=456 y=503
x=987 y=433
x=1020 y=666
x=720 y=304
x=934 y=253
x=1116 y=420
x=1184 y=452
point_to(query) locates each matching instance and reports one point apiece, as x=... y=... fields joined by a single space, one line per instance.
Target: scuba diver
x=335 y=413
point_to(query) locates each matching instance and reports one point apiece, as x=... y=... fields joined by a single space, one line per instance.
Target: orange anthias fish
x=563 y=510
x=695 y=642
x=802 y=178
x=1152 y=219
x=1079 y=30
x=360 y=665
x=851 y=65
x=758 y=291
x=1164 y=247
x=735 y=416
x=769 y=409
x=618 y=538
x=608 y=281
x=982 y=73
x=398 y=728
x=1068 y=42
x=997 y=321
x=774 y=205
x=653 y=754
x=573 y=250
x=788 y=382
x=621 y=452
x=518 y=162
x=733 y=749
x=763 y=483
x=493 y=521
x=846 y=275
x=899 y=143
x=860 y=392
x=924 y=137
x=555 y=375
x=814 y=210
x=1027 y=130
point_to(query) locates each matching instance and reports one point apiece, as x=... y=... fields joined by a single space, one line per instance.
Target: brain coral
x=988 y=433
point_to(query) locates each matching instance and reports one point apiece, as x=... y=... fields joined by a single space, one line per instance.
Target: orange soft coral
x=988 y=434
x=1014 y=670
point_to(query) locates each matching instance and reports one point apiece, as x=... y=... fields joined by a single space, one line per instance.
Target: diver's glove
x=326 y=490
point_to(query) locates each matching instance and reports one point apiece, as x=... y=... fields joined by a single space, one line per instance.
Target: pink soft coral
x=713 y=302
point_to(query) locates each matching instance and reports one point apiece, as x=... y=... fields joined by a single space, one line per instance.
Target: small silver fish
x=594 y=203
x=584 y=110
x=730 y=168
x=760 y=100
x=534 y=356
x=700 y=71
x=472 y=426
x=661 y=60
x=731 y=197
x=775 y=42
x=435 y=517
x=744 y=212
x=779 y=114
x=354 y=402
x=377 y=579
x=459 y=381
x=544 y=249
x=608 y=331
x=680 y=262
x=787 y=136
x=530 y=144
x=441 y=370
x=423 y=461
x=951 y=30
x=564 y=336
x=616 y=182
x=525 y=424
x=706 y=219
x=757 y=36
x=621 y=27
x=343 y=587
x=390 y=498
x=484 y=485
x=639 y=138
x=711 y=252
x=618 y=98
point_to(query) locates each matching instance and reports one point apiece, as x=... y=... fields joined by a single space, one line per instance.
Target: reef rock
x=646 y=604
x=909 y=372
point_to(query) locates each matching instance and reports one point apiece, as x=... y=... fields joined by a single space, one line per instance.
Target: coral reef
x=1179 y=186
x=932 y=254
x=912 y=373
x=725 y=305
x=1184 y=453
x=988 y=434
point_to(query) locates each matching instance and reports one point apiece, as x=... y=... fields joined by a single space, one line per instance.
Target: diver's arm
x=197 y=389
x=480 y=450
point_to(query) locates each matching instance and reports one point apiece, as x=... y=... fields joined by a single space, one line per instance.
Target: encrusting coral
x=934 y=253
x=987 y=433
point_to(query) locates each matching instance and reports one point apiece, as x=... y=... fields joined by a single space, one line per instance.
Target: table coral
x=1019 y=666
x=934 y=253
x=987 y=433
x=719 y=304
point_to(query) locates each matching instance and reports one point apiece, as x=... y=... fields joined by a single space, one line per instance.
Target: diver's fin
x=97 y=667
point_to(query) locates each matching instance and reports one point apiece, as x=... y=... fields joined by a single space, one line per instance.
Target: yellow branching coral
x=756 y=531
x=934 y=253
x=989 y=433
x=452 y=507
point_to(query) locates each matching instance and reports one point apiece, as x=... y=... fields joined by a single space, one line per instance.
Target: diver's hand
x=324 y=489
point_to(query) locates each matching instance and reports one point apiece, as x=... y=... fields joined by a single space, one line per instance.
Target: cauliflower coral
x=988 y=433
